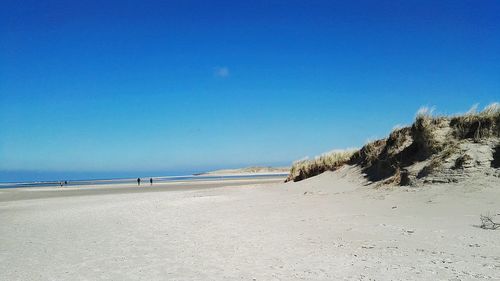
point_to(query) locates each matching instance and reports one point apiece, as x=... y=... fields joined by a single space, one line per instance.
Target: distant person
x=65 y=182
x=138 y=181
x=151 y=181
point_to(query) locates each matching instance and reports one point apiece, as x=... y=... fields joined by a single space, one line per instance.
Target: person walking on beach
x=138 y=181
x=151 y=181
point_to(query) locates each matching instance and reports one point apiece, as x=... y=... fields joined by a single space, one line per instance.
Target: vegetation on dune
x=327 y=162
x=430 y=139
x=423 y=132
x=477 y=125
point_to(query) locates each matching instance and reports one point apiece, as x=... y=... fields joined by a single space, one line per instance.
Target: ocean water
x=144 y=180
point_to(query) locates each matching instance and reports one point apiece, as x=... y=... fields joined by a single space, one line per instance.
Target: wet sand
x=14 y=194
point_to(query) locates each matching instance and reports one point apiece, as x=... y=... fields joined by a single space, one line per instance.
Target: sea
x=81 y=181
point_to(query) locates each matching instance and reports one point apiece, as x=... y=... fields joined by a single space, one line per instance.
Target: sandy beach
x=14 y=194
x=249 y=140
x=330 y=227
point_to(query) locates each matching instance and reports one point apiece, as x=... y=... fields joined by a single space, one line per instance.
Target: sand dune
x=257 y=170
x=434 y=149
x=330 y=227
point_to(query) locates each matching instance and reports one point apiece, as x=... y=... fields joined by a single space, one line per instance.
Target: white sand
x=255 y=171
x=330 y=227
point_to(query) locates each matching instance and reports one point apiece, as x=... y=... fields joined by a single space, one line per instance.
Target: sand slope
x=329 y=227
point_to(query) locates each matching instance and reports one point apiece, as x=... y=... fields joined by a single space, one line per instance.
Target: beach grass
x=432 y=138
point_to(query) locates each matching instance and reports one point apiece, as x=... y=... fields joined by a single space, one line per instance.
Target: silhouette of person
x=138 y=181
x=151 y=181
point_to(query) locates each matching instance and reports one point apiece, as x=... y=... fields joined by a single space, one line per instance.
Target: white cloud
x=221 y=71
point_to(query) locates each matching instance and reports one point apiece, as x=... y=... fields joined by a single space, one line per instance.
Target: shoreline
x=332 y=226
x=160 y=179
x=41 y=192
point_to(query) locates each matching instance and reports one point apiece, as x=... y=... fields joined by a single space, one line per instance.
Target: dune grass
x=430 y=137
x=477 y=125
x=371 y=151
x=423 y=131
x=325 y=162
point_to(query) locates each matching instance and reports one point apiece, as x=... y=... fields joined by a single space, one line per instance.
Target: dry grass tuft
x=326 y=162
x=371 y=151
x=430 y=168
x=448 y=149
x=477 y=125
x=430 y=138
x=423 y=132
x=395 y=179
x=398 y=139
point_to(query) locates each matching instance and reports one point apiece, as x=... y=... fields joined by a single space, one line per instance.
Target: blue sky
x=194 y=85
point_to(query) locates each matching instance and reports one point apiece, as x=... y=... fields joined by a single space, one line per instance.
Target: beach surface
x=329 y=227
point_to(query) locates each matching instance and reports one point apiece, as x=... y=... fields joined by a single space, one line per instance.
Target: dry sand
x=329 y=227
x=254 y=171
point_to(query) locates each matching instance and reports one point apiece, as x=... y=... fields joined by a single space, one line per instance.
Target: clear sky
x=170 y=86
